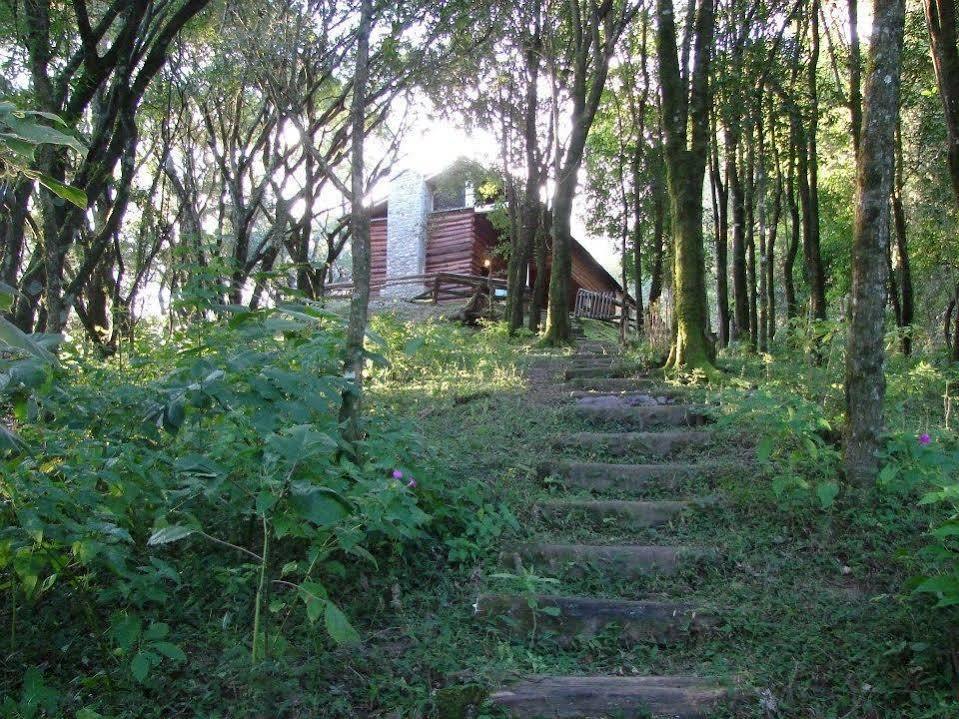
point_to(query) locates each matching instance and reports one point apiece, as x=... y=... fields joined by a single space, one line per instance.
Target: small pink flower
x=924 y=439
x=411 y=484
x=397 y=474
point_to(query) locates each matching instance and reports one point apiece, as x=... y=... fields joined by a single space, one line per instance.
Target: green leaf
x=29 y=130
x=338 y=626
x=320 y=505
x=170 y=651
x=125 y=630
x=157 y=630
x=7 y=295
x=827 y=493
x=172 y=533
x=764 y=450
x=72 y=195
x=12 y=336
x=141 y=665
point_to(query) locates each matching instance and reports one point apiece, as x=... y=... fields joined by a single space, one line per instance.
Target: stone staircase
x=642 y=442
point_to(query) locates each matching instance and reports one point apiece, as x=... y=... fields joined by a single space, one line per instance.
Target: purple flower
x=397 y=474
x=924 y=439
x=411 y=484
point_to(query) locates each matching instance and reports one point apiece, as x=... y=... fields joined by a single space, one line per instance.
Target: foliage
x=22 y=134
x=211 y=468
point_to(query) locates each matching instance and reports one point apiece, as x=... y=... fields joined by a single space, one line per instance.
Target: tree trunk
x=907 y=307
x=941 y=22
x=685 y=111
x=722 y=234
x=737 y=192
x=751 y=241
x=865 y=380
x=659 y=226
x=771 y=259
x=795 y=228
x=763 y=291
x=540 y=288
x=352 y=402
x=815 y=275
x=855 y=70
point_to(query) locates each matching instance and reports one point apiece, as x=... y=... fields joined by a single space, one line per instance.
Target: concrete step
x=626 y=561
x=640 y=418
x=622 y=444
x=636 y=514
x=637 y=478
x=570 y=618
x=575 y=697
x=614 y=384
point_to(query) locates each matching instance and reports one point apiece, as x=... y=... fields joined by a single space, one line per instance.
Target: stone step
x=575 y=697
x=620 y=444
x=627 y=561
x=570 y=618
x=636 y=514
x=613 y=384
x=640 y=418
x=598 y=476
x=613 y=371
x=651 y=397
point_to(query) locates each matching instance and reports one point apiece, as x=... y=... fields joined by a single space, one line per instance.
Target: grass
x=814 y=613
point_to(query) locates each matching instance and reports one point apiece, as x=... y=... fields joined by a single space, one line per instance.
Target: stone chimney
x=410 y=203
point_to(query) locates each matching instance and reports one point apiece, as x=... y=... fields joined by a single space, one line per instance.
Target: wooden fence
x=437 y=287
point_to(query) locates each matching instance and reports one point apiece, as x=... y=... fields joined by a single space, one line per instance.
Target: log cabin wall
x=460 y=241
x=377 y=251
x=588 y=274
x=450 y=242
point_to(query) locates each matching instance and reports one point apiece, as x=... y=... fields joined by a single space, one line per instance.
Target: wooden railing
x=438 y=287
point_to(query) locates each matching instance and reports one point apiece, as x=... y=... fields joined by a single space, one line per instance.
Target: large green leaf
x=28 y=129
x=72 y=195
x=172 y=533
x=339 y=627
x=12 y=336
x=319 y=505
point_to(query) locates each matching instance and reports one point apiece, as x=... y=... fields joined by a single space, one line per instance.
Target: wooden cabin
x=444 y=226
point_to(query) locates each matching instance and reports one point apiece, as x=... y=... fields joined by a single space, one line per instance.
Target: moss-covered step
x=632 y=513
x=603 y=371
x=623 y=444
x=569 y=618
x=641 y=417
x=574 y=697
x=614 y=384
x=627 y=561
x=599 y=477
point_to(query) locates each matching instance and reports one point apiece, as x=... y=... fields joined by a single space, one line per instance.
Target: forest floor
x=791 y=596
x=790 y=592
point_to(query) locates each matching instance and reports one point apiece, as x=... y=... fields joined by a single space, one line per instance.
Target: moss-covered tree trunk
x=865 y=378
x=686 y=125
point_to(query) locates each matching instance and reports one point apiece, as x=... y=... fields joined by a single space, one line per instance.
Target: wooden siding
x=450 y=242
x=378 y=250
x=588 y=274
x=460 y=241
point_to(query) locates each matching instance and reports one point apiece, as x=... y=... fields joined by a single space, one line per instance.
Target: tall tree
x=865 y=379
x=355 y=356
x=685 y=117
x=941 y=21
x=592 y=30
